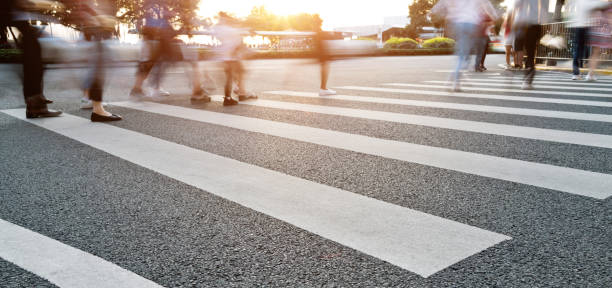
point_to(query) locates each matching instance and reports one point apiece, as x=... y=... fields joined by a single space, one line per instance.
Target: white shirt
x=581 y=10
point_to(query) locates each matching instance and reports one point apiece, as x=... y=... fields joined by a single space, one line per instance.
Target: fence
x=561 y=29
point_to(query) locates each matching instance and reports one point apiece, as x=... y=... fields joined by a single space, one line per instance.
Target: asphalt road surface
x=395 y=182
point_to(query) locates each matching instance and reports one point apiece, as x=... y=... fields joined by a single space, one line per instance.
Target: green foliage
x=418 y=12
x=439 y=42
x=401 y=43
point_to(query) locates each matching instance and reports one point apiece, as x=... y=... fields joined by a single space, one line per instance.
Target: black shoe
x=228 y=101
x=42 y=113
x=101 y=118
x=246 y=97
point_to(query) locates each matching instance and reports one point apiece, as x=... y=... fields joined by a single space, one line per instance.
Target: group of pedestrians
x=469 y=20
x=591 y=23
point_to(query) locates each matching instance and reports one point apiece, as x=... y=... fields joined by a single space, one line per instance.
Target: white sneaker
x=88 y=104
x=591 y=78
x=527 y=86
x=576 y=77
x=159 y=93
x=327 y=92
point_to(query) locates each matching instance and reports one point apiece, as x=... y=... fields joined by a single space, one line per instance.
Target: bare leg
x=593 y=62
x=324 y=75
x=594 y=59
x=98 y=108
x=508 y=53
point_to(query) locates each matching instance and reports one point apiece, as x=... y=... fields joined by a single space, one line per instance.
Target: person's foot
x=36 y=107
x=137 y=94
x=527 y=86
x=229 y=101
x=46 y=100
x=159 y=93
x=246 y=96
x=591 y=78
x=576 y=77
x=456 y=87
x=200 y=99
x=88 y=104
x=327 y=92
x=104 y=118
x=42 y=113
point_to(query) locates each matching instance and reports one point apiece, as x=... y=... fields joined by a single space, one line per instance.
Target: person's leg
x=579 y=45
x=324 y=74
x=36 y=103
x=463 y=49
x=508 y=53
x=593 y=62
x=531 y=42
x=229 y=80
x=485 y=50
x=478 y=44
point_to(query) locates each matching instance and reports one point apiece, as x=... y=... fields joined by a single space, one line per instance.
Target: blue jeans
x=466 y=41
x=579 y=43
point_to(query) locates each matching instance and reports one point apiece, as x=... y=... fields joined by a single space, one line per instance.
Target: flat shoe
x=42 y=114
x=101 y=118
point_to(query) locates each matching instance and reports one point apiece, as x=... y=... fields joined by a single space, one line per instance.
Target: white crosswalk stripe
x=536 y=82
x=567 y=78
x=61 y=264
x=454 y=106
x=587 y=139
x=476 y=82
x=580 y=94
x=579 y=182
x=482 y=96
x=416 y=241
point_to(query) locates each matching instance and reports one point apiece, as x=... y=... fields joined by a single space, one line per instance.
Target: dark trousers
x=579 y=53
x=32 y=60
x=532 y=38
x=482 y=45
x=95 y=82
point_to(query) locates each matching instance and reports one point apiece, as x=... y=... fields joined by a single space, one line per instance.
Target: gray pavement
x=178 y=235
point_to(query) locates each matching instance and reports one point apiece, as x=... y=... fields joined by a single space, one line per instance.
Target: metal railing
x=562 y=29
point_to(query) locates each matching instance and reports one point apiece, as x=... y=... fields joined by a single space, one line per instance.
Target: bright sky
x=335 y=13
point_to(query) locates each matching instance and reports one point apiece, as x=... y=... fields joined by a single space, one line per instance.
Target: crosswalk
x=419 y=242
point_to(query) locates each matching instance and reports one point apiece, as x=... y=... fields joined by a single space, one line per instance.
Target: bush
x=401 y=43
x=439 y=42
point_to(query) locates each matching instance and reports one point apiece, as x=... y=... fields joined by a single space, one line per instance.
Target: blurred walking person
x=600 y=35
x=530 y=14
x=13 y=14
x=464 y=16
x=580 y=23
x=323 y=54
x=232 y=50
x=157 y=48
x=509 y=37
x=97 y=26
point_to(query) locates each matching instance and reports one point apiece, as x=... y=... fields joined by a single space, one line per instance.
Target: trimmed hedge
x=401 y=43
x=10 y=55
x=439 y=42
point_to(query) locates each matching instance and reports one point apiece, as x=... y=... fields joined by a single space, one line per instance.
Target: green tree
x=418 y=13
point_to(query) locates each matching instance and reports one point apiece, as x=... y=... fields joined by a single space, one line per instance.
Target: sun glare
x=336 y=13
